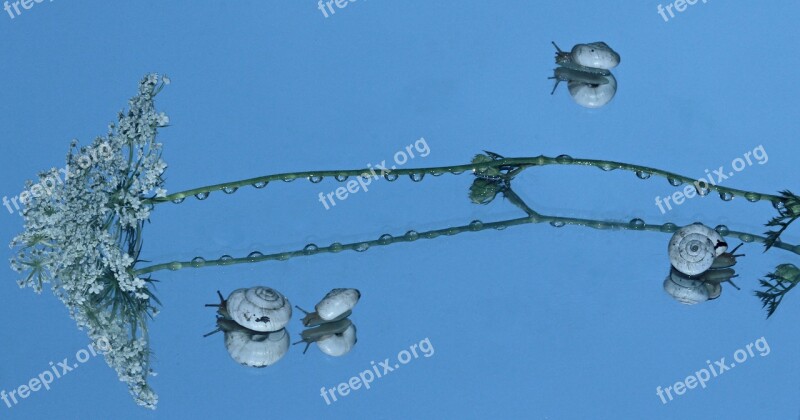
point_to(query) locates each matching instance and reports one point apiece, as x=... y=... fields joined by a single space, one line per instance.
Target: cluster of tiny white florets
x=82 y=235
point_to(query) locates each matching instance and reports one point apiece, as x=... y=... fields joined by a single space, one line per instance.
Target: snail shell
x=595 y=56
x=337 y=302
x=337 y=337
x=254 y=348
x=686 y=290
x=591 y=95
x=258 y=308
x=336 y=305
x=338 y=344
x=693 y=248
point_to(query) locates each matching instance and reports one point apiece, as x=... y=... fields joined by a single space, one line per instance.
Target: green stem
x=474 y=226
x=416 y=174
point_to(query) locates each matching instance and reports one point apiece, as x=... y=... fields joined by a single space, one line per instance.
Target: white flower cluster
x=85 y=237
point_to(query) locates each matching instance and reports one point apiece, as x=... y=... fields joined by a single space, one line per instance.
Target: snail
x=696 y=248
x=336 y=305
x=252 y=348
x=595 y=57
x=689 y=290
x=333 y=338
x=261 y=309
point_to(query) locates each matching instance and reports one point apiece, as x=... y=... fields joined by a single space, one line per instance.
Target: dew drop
x=500 y=227
x=336 y=247
x=390 y=176
x=310 y=248
x=179 y=200
x=437 y=172
x=385 y=239
x=701 y=191
x=284 y=256
x=341 y=177
x=315 y=179
x=669 y=227
x=226 y=259
x=254 y=254
x=607 y=167
x=363 y=246
x=752 y=197
x=779 y=205
x=637 y=223
x=643 y=174
x=564 y=159
x=451 y=231
x=175 y=266
x=674 y=181
x=557 y=223
x=260 y=184
x=202 y=195
x=476 y=225
x=412 y=235
x=198 y=261
x=722 y=230
x=288 y=178
x=457 y=171
x=746 y=237
x=229 y=190
x=416 y=176
x=725 y=196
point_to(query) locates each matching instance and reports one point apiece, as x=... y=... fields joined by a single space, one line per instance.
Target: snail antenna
x=302 y=310
x=212 y=332
x=556 y=85
x=308 y=343
x=221 y=301
x=732 y=283
x=557 y=49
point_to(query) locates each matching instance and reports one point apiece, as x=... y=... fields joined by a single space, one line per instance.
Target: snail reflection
x=254 y=321
x=586 y=69
x=332 y=330
x=699 y=264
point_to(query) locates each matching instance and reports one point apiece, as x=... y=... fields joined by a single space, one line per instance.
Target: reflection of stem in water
x=474 y=226
x=520 y=164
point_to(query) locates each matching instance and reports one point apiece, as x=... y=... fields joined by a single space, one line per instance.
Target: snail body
x=333 y=338
x=261 y=309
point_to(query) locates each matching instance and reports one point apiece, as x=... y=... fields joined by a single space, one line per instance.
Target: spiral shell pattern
x=692 y=250
x=259 y=308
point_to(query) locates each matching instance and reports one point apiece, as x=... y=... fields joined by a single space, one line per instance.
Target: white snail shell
x=693 y=248
x=337 y=302
x=338 y=344
x=591 y=95
x=684 y=289
x=594 y=55
x=256 y=349
x=258 y=308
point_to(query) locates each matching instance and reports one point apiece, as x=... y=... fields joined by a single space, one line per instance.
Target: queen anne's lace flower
x=83 y=236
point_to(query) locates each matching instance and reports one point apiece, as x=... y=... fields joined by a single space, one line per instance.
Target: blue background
x=530 y=322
